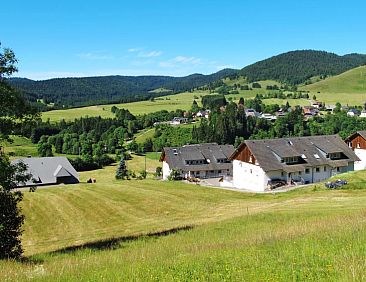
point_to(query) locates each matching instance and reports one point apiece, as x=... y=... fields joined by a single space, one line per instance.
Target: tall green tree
x=14 y=109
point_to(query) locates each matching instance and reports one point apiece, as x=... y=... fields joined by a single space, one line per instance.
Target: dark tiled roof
x=209 y=153
x=312 y=150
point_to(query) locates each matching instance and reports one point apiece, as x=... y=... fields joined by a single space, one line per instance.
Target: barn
x=49 y=171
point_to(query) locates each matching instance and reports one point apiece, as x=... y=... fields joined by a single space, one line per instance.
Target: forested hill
x=297 y=67
x=71 y=92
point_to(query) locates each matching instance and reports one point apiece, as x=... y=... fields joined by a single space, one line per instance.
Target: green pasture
x=149 y=230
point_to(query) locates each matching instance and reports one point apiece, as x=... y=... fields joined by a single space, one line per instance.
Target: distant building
x=251 y=113
x=200 y=160
x=49 y=171
x=268 y=117
x=357 y=142
x=179 y=120
x=352 y=112
x=203 y=113
x=310 y=111
x=257 y=163
x=317 y=104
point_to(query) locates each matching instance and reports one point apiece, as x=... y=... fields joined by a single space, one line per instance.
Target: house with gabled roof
x=257 y=163
x=357 y=142
x=49 y=171
x=207 y=160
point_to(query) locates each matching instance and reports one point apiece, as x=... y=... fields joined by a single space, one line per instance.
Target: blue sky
x=86 y=38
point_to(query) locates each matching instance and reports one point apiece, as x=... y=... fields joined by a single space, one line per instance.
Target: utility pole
x=145 y=166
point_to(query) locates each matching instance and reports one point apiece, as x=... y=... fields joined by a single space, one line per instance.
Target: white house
x=200 y=160
x=363 y=114
x=352 y=112
x=357 y=142
x=256 y=163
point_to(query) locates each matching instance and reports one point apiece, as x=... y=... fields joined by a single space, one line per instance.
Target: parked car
x=275 y=183
x=335 y=184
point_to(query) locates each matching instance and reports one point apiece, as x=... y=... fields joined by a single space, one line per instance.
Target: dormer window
x=358 y=145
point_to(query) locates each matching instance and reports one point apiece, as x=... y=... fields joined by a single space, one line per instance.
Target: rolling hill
x=296 y=67
x=352 y=81
x=348 y=88
x=72 y=92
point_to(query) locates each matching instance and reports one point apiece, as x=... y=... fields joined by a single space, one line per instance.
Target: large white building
x=199 y=160
x=257 y=163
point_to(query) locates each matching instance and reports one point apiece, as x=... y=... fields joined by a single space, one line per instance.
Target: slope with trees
x=297 y=67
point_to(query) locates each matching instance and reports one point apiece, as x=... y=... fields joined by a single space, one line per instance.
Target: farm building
x=49 y=171
x=357 y=142
x=201 y=160
x=257 y=163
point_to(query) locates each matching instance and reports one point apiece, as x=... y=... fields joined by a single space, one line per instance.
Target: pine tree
x=121 y=172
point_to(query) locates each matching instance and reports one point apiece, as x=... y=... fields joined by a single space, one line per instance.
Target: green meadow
x=149 y=230
x=346 y=88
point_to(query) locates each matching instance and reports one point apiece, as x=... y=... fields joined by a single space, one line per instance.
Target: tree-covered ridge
x=297 y=67
x=72 y=92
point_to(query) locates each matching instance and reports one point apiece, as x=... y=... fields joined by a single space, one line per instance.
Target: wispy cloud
x=150 y=54
x=133 y=50
x=94 y=56
x=181 y=60
x=142 y=53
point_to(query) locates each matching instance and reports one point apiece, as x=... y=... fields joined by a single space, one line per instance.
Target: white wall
x=361 y=154
x=253 y=177
x=249 y=176
x=166 y=170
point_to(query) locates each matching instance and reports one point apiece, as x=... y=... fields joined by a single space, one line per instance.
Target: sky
x=160 y=37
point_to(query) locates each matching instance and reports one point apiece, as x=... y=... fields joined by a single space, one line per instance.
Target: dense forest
x=74 y=92
x=297 y=67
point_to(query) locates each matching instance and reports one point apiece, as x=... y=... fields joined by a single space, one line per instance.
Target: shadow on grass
x=114 y=243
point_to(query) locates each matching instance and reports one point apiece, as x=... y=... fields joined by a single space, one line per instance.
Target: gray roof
x=209 y=153
x=312 y=151
x=46 y=170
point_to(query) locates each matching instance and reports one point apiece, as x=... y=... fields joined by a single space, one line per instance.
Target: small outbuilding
x=49 y=171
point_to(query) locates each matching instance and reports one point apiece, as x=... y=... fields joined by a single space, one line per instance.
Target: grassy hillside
x=347 y=88
x=310 y=234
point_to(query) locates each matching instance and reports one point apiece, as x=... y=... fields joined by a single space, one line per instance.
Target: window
x=358 y=145
x=338 y=169
x=317 y=169
x=219 y=171
x=307 y=171
x=300 y=172
x=325 y=168
x=282 y=173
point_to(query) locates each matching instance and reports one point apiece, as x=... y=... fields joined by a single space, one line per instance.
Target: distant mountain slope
x=352 y=81
x=109 y=89
x=296 y=67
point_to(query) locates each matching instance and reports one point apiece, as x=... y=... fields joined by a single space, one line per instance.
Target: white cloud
x=149 y=54
x=132 y=50
x=181 y=60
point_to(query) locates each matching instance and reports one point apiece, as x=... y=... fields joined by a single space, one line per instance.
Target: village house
x=208 y=160
x=352 y=112
x=179 y=120
x=49 y=171
x=357 y=142
x=257 y=163
x=317 y=104
x=251 y=113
